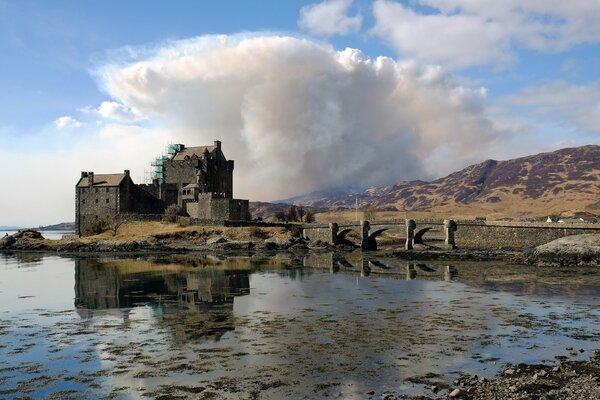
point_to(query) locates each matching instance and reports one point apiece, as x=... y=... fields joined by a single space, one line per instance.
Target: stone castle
x=198 y=179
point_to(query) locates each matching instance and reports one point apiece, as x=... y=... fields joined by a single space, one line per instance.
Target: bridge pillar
x=334 y=228
x=366 y=268
x=410 y=272
x=365 y=227
x=410 y=233
x=449 y=272
x=449 y=229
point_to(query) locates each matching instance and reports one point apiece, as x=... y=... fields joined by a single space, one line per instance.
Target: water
x=52 y=235
x=297 y=326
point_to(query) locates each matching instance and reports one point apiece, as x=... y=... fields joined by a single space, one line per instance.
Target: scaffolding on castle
x=158 y=169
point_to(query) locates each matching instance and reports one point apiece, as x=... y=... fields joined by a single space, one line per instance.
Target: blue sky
x=104 y=86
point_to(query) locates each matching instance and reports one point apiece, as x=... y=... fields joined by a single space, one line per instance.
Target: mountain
x=9 y=228
x=63 y=226
x=563 y=181
x=320 y=194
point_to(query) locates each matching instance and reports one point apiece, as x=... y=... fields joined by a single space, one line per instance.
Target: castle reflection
x=196 y=303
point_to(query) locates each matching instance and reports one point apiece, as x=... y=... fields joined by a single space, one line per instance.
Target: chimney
x=218 y=144
x=84 y=174
x=91 y=178
x=126 y=172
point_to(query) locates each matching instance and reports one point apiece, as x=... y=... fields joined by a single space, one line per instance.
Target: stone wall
x=209 y=207
x=322 y=233
x=499 y=234
x=95 y=204
x=471 y=234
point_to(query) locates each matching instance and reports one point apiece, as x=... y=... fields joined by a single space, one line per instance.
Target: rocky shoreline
x=566 y=380
x=192 y=241
x=579 y=250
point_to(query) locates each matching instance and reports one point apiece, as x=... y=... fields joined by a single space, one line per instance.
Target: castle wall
x=96 y=204
x=209 y=207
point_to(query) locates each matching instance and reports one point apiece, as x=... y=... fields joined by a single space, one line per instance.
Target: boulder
x=278 y=243
x=28 y=234
x=7 y=241
x=215 y=240
x=235 y=245
x=570 y=250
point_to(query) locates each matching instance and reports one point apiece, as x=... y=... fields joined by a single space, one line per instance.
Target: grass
x=140 y=230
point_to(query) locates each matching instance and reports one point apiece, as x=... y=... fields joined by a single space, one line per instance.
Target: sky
x=304 y=95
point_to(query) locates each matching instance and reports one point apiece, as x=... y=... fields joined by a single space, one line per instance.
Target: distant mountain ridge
x=561 y=181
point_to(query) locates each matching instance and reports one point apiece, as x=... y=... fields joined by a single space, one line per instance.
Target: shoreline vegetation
x=169 y=237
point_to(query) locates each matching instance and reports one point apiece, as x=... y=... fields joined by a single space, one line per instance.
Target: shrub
x=172 y=212
x=296 y=231
x=183 y=222
x=100 y=226
x=258 y=233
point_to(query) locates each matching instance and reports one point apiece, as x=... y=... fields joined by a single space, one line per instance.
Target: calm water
x=286 y=326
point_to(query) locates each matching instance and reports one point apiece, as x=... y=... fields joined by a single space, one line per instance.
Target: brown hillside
x=559 y=182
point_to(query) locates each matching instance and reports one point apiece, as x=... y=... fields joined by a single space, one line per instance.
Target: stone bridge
x=334 y=233
x=449 y=233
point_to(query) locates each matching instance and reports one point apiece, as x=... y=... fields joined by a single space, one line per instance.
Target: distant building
x=198 y=179
x=571 y=221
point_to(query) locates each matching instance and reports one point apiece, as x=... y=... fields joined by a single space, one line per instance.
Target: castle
x=198 y=179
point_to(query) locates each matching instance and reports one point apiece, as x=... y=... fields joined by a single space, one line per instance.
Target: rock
x=28 y=234
x=215 y=240
x=235 y=245
x=299 y=246
x=434 y=389
x=278 y=243
x=7 y=241
x=371 y=393
x=542 y=373
x=570 y=250
x=513 y=388
x=455 y=393
x=509 y=371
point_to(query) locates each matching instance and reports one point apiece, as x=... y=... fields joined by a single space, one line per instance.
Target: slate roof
x=190 y=151
x=102 y=180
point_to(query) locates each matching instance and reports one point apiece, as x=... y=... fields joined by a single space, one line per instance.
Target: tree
x=280 y=215
x=310 y=216
x=292 y=214
x=301 y=213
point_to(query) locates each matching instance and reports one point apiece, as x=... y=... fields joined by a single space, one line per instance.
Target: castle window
x=83 y=201
x=83 y=217
x=106 y=201
x=107 y=189
x=96 y=201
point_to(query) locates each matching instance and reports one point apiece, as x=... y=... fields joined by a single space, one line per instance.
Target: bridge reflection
x=367 y=265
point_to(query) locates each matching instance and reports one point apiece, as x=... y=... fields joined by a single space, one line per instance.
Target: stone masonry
x=198 y=179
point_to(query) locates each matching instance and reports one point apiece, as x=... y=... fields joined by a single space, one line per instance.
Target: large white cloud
x=329 y=17
x=462 y=33
x=299 y=116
